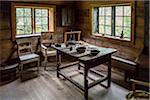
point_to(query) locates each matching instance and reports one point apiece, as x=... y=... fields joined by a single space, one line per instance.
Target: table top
x=71 y=50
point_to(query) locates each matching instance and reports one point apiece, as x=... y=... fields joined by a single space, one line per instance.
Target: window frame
x=114 y=38
x=40 y=17
x=32 y=6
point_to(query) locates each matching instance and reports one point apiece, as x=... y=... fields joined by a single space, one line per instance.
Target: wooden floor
x=48 y=87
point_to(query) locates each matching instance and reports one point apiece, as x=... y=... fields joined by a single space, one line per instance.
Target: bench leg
x=126 y=77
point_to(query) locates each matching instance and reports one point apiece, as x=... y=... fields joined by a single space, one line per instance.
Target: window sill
x=26 y=36
x=111 y=37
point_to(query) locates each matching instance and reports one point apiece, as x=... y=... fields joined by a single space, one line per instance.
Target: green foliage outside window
x=24 y=20
x=113 y=20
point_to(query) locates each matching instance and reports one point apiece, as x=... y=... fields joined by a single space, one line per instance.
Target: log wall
x=5 y=26
x=83 y=23
x=125 y=50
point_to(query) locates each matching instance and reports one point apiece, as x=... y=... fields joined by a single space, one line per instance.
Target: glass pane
x=119 y=21
x=108 y=21
x=127 y=32
x=20 y=29
x=127 y=21
x=37 y=12
x=44 y=20
x=108 y=30
x=19 y=21
x=101 y=20
x=101 y=11
x=44 y=12
x=27 y=21
x=27 y=29
x=108 y=11
x=119 y=10
x=127 y=10
x=27 y=12
x=101 y=29
x=44 y=28
x=38 y=20
x=118 y=31
x=38 y=29
x=19 y=11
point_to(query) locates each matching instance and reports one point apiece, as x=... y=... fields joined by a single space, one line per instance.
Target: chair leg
x=21 y=71
x=45 y=62
x=38 y=65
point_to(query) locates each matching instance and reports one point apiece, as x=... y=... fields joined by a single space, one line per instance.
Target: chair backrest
x=24 y=47
x=47 y=38
x=72 y=35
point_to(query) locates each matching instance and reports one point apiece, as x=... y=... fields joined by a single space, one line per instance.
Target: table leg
x=109 y=72
x=79 y=66
x=85 y=83
x=58 y=60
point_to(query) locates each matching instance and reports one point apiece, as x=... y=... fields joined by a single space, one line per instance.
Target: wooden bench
x=130 y=67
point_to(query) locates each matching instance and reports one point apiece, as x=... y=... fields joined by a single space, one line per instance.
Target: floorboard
x=48 y=87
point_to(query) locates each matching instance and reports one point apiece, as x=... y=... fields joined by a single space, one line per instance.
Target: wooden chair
x=27 y=56
x=135 y=94
x=47 y=38
x=74 y=34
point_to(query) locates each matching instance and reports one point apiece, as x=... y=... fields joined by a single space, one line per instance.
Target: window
x=32 y=18
x=123 y=21
x=105 y=20
x=41 y=20
x=113 y=21
x=23 y=21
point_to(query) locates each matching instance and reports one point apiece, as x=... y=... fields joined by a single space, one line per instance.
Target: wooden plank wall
x=125 y=50
x=5 y=31
x=82 y=22
x=5 y=26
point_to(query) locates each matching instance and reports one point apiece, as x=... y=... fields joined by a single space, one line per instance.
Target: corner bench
x=130 y=67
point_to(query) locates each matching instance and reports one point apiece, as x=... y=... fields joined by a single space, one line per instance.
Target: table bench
x=130 y=67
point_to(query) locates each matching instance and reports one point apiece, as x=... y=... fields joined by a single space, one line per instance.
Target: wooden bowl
x=81 y=49
x=94 y=52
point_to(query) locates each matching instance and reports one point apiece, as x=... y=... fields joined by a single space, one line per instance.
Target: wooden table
x=87 y=61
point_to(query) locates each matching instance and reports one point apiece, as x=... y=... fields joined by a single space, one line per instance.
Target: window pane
x=38 y=20
x=45 y=12
x=127 y=10
x=108 y=21
x=37 y=12
x=23 y=21
x=127 y=21
x=101 y=11
x=45 y=20
x=101 y=29
x=19 y=21
x=44 y=28
x=41 y=20
x=108 y=11
x=119 y=11
x=124 y=22
x=118 y=31
x=27 y=21
x=19 y=11
x=20 y=29
x=27 y=11
x=127 y=32
x=108 y=30
x=38 y=29
x=119 y=21
x=27 y=29
x=101 y=20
